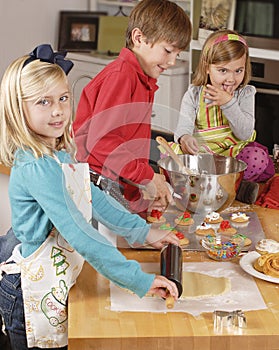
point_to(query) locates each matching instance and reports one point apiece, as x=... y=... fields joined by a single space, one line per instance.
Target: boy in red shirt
x=113 y=120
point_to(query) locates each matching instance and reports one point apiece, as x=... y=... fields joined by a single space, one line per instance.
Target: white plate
x=246 y=262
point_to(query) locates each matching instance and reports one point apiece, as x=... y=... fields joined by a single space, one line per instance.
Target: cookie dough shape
x=199 y=285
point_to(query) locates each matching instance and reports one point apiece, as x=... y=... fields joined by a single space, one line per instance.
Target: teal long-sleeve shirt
x=39 y=201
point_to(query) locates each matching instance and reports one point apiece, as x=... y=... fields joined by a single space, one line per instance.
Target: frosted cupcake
x=239 y=217
x=267 y=246
x=205 y=229
x=213 y=218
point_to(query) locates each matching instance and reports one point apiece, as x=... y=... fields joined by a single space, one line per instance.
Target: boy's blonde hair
x=217 y=49
x=160 y=20
x=21 y=84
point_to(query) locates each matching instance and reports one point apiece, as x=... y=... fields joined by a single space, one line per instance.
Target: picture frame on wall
x=78 y=30
x=215 y=15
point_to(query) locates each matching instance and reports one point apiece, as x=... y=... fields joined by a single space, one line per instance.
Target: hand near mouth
x=217 y=96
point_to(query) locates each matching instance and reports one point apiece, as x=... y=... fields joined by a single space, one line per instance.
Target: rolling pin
x=171 y=267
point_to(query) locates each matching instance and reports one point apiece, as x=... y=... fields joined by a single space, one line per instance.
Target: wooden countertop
x=4 y=170
x=93 y=326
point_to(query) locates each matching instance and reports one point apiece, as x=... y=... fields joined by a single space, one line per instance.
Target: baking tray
x=252 y=229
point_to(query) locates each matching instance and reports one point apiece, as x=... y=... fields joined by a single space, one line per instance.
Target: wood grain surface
x=93 y=326
x=4 y=170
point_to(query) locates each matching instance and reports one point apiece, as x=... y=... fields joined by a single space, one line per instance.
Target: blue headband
x=45 y=53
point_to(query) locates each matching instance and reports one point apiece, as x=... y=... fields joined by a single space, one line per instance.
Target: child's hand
x=159 y=190
x=217 y=96
x=157 y=238
x=189 y=144
x=162 y=287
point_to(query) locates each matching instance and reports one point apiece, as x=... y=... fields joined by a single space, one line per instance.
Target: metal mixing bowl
x=213 y=186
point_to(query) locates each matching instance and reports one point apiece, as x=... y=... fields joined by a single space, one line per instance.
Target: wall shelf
x=254 y=52
x=95 y=4
x=117 y=3
x=131 y=3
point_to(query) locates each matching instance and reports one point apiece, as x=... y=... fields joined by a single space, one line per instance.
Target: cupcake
x=213 y=218
x=185 y=219
x=225 y=227
x=267 y=246
x=182 y=239
x=239 y=217
x=247 y=240
x=156 y=217
x=193 y=197
x=205 y=229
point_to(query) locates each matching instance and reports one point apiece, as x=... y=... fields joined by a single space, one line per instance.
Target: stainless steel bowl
x=213 y=186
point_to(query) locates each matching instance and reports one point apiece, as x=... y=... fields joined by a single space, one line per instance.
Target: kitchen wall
x=5 y=212
x=26 y=23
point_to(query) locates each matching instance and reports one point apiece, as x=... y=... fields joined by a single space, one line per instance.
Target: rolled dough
x=198 y=285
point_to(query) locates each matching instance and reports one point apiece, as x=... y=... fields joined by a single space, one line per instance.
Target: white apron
x=49 y=273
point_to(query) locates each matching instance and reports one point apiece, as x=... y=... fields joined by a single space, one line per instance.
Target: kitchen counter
x=4 y=170
x=180 y=67
x=93 y=326
x=253 y=52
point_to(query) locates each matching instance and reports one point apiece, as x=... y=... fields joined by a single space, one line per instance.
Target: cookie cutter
x=229 y=319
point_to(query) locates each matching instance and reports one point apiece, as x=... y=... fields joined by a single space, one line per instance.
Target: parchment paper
x=244 y=293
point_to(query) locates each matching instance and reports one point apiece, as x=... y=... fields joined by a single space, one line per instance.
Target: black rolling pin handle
x=171 y=267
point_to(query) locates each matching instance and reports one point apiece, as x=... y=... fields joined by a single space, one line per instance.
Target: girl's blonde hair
x=24 y=83
x=160 y=20
x=221 y=47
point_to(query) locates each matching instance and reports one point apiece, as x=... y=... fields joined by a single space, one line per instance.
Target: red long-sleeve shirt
x=113 y=121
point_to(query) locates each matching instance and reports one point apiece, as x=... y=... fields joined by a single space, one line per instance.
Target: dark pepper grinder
x=171 y=268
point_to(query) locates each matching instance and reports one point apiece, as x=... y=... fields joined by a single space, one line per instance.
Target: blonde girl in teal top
x=35 y=129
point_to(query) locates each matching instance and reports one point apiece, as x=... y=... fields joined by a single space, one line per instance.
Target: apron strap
x=9 y=269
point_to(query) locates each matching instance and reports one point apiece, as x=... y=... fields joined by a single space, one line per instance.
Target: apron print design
x=53 y=306
x=49 y=273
